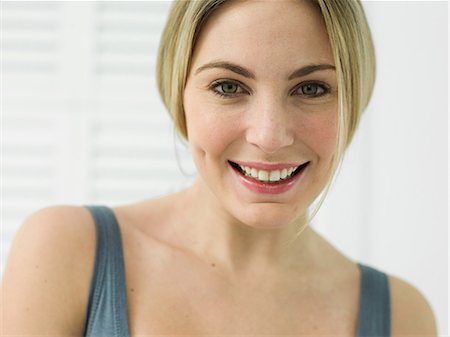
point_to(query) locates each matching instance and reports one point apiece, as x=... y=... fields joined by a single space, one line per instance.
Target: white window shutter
x=81 y=117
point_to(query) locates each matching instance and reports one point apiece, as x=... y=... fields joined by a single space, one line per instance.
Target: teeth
x=275 y=175
x=263 y=175
x=267 y=176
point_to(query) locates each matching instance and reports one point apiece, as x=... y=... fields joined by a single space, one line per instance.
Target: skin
x=268 y=119
x=210 y=259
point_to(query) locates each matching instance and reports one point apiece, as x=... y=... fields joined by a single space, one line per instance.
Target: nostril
x=269 y=140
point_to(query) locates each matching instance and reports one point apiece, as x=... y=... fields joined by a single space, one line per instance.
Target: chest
x=170 y=295
x=188 y=315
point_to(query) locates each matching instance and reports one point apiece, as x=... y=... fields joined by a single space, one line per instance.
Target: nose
x=270 y=126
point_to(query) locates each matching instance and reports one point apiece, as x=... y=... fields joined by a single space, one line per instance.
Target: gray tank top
x=107 y=311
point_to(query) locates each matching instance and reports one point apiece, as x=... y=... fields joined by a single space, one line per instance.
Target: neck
x=220 y=239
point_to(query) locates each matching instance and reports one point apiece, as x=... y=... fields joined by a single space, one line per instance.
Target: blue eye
x=230 y=89
x=226 y=88
x=312 y=89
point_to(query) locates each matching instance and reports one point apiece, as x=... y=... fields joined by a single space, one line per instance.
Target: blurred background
x=82 y=123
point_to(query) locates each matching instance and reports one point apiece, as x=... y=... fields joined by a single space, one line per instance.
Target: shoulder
x=62 y=218
x=411 y=314
x=68 y=230
x=48 y=271
x=150 y=217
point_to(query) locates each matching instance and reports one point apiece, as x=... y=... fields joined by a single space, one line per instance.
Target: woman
x=268 y=95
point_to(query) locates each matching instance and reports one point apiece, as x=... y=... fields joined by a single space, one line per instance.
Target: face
x=261 y=110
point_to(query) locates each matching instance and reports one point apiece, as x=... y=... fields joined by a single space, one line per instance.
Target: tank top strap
x=374 y=304
x=107 y=312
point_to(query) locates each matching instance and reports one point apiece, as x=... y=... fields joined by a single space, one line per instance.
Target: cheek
x=319 y=132
x=210 y=129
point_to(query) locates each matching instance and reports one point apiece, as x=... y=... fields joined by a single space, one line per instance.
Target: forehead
x=281 y=33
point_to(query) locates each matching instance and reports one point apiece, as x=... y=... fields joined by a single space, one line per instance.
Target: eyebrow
x=306 y=70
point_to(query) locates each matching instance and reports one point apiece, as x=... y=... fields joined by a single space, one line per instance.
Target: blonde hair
x=351 y=44
x=183 y=26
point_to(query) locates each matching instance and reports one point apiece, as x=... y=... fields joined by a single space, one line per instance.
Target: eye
x=226 y=88
x=312 y=89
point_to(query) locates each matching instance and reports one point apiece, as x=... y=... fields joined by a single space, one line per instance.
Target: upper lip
x=268 y=166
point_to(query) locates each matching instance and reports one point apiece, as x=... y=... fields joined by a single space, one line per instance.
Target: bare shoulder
x=150 y=217
x=410 y=311
x=47 y=276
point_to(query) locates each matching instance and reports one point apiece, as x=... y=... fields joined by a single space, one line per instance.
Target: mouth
x=266 y=177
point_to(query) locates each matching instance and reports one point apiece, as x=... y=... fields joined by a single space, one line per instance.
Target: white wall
x=389 y=207
x=82 y=123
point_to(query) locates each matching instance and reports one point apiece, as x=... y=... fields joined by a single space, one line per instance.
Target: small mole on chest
x=213 y=264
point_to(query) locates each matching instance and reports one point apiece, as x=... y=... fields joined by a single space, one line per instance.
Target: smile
x=268 y=181
x=267 y=176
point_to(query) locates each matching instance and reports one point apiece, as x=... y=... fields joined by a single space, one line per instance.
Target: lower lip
x=268 y=188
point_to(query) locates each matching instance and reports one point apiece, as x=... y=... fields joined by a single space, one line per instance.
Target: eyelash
x=216 y=84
